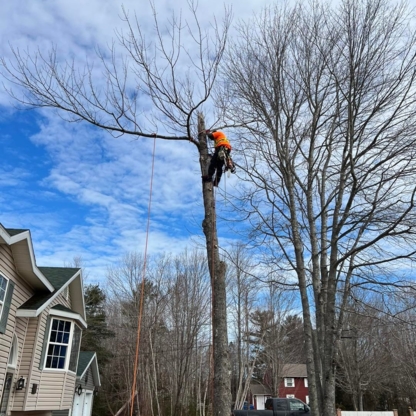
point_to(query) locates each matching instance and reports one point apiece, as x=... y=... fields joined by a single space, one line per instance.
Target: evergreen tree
x=97 y=331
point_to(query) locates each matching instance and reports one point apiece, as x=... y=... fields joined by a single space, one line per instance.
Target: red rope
x=136 y=360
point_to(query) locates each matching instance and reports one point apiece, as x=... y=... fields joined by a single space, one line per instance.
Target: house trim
x=33 y=313
x=25 y=236
x=94 y=369
x=68 y=315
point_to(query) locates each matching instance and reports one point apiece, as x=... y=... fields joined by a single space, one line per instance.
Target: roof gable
x=88 y=359
x=20 y=242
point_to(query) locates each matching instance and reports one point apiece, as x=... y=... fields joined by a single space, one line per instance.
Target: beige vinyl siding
x=55 y=388
x=88 y=380
x=22 y=368
x=18 y=326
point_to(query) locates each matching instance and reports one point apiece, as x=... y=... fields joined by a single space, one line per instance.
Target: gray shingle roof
x=294 y=370
x=58 y=276
x=62 y=308
x=14 y=231
x=36 y=301
x=84 y=359
x=261 y=389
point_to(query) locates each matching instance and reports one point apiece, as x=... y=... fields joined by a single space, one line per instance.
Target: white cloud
x=85 y=193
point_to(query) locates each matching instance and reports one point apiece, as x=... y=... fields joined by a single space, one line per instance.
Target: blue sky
x=81 y=192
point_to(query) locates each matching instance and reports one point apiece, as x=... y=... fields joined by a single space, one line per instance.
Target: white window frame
x=14 y=349
x=69 y=345
x=287 y=382
x=290 y=396
x=305 y=382
x=4 y=293
x=307 y=399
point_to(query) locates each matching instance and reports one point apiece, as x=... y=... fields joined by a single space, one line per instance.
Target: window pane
x=3 y=285
x=76 y=341
x=65 y=337
x=296 y=405
x=58 y=344
x=61 y=363
x=53 y=336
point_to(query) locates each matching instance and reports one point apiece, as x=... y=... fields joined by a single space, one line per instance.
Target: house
x=42 y=315
x=259 y=393
x=294 y=382
x=87 y=383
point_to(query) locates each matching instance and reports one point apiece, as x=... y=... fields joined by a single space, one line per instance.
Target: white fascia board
x=68 y=315
x=25 y=235
x=26 y=313
x=96 y=373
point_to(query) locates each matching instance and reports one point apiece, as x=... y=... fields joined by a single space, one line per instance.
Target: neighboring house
x=42 y=315
x=259 y=393
x=87 y=383
x=294 y=383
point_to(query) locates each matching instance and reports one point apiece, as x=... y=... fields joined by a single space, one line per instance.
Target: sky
x=81 y=192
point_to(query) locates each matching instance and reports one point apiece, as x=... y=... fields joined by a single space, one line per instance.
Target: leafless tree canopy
x=138 y=86
x=327 y=98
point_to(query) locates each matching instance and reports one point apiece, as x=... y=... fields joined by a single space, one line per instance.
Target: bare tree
x=243 y=290
x=327 y=98
x=178 y=81
x=175 y=336
x=364 y=362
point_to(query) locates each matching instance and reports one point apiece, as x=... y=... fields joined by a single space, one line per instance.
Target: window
x=3 y=287
x=295 y=404
x=76 y=342
x=305 y=381
x=63 y=346
x=289 y=382
x=307 y=399
x=290 y=396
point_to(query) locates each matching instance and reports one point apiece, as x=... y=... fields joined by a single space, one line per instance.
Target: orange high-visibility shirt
x=220 y=139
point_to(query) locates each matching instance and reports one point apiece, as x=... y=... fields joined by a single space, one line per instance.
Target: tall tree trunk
x=221 y=400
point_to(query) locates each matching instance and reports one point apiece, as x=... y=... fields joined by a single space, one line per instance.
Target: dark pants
x=217 y=164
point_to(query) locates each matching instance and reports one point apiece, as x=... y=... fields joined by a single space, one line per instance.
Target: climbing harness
x=224 y=155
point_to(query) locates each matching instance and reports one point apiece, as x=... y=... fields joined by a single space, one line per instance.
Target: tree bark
x=221 y=400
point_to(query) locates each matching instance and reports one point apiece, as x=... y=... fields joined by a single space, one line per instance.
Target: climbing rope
x=139 y=318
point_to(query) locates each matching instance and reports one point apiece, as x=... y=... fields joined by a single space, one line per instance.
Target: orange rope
x=139 y=323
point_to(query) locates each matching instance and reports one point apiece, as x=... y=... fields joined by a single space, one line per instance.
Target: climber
x=220 y=157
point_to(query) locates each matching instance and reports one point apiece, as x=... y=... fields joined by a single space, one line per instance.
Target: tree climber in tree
x=220 y=157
